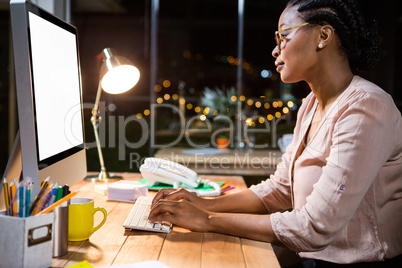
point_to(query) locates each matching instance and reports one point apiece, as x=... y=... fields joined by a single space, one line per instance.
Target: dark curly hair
x=359 y=39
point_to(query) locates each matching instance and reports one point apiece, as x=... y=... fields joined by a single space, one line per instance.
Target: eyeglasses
x=280 y=41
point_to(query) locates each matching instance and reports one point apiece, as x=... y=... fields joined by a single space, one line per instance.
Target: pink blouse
x=345 y=188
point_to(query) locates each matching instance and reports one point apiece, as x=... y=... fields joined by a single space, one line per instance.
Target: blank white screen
x=56 y=87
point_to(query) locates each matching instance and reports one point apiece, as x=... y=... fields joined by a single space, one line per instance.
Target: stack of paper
x=126 y=190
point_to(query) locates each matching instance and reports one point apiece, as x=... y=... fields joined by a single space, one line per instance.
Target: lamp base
x=103 y=176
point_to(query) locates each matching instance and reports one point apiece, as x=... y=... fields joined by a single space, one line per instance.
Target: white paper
x=127 y=191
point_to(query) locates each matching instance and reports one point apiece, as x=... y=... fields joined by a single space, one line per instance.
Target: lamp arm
x=95 y=119
x=96 y=106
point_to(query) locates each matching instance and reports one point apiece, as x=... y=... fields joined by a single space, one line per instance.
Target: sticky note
x=83 y=264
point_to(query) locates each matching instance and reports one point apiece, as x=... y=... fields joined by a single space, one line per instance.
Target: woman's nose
x=275 y=52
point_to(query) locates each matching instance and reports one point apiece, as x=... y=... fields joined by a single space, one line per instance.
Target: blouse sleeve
x=363 y=138
x=275 y=191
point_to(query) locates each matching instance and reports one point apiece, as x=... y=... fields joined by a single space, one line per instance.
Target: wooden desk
x=113 y=245
x=234 y=162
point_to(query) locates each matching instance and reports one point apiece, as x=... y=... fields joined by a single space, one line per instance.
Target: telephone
x=161 y=170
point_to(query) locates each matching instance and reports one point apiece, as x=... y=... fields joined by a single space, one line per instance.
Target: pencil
x=38 y=197
x=13 y=195
x=6 y=194
x=14 y=201
x=58 y=203
x=28 y=199
x=40 y=201
x=21 y=203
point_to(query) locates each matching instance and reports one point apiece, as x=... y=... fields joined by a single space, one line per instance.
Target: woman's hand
x=182 y=213
x=176 y=195
x=187 y=210
x=187 y=215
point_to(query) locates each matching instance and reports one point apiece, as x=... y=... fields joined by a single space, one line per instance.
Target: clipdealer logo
x=116 y=128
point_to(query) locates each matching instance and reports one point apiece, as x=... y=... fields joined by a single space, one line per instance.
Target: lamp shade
x=117 y=74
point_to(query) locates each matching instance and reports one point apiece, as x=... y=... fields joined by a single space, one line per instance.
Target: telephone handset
x=160 y=170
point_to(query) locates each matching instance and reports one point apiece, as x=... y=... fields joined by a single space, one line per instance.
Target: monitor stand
x=13 y=168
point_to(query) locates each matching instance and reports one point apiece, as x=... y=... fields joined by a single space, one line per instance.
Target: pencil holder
x=26 y=242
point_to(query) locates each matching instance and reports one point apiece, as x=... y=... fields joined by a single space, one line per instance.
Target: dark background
x=195 y=37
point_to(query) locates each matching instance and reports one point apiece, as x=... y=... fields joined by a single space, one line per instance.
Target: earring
x=320 y=45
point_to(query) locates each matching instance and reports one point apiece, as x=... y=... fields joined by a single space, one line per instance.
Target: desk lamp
x=117 y=75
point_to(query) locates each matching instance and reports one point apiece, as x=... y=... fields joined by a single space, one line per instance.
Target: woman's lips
x=279 y=66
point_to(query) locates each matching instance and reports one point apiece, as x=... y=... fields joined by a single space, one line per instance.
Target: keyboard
x=138 y=217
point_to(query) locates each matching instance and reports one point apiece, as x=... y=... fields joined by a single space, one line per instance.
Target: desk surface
x=113 y=245
x=233 y=162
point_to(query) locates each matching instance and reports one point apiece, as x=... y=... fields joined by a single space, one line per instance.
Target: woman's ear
x=327 y=34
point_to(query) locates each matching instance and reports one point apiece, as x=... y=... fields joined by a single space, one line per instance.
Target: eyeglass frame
x=278 y=37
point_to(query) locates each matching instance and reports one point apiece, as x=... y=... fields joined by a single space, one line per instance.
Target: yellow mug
x=81 y=213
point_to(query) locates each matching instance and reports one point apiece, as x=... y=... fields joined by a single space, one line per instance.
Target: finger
x=162 y=208
x=163 y=218
x=181 y=194
x=161 y=195
x=176 y=195
x=170 y=194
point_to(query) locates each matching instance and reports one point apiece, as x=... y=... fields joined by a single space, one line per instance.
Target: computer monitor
x=49 y=96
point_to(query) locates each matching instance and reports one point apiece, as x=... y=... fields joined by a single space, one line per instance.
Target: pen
x=58 y=203
x=59 y=194
x=223 y=186
x=228 y=188
x=66 y=190
x=53 y=197
x=47 y=199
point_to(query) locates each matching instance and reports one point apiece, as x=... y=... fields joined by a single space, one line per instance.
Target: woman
x=342 y=174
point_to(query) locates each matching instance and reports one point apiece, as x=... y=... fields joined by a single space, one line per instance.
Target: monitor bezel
x=70 y=28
